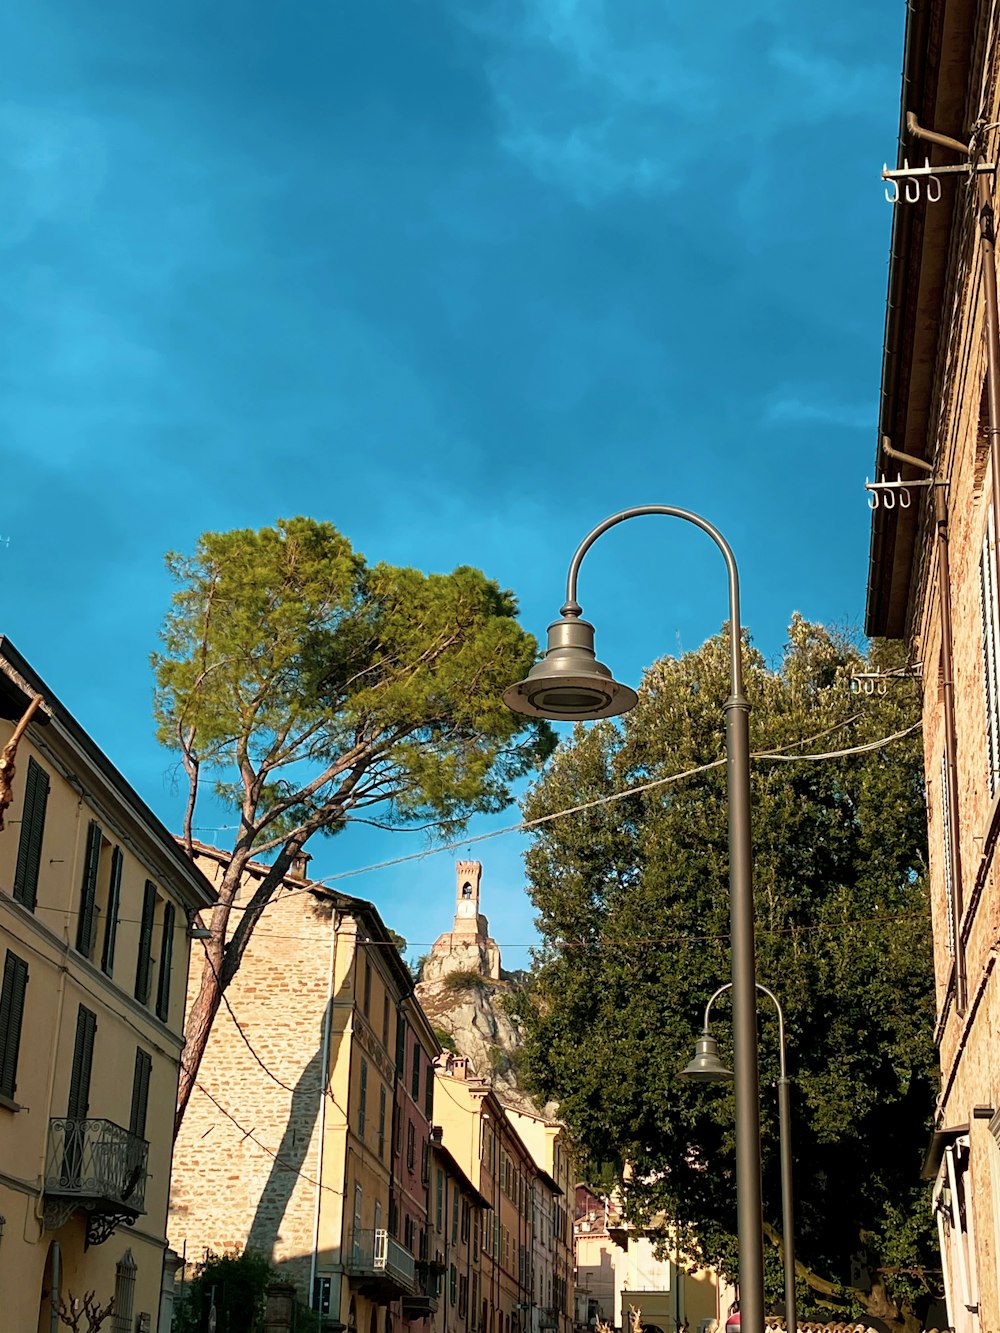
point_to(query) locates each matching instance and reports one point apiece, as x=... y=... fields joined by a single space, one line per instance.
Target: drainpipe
x=324 y=1093
x=947 y=677
x=54 y=1294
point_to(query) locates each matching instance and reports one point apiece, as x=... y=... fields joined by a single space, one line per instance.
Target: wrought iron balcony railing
x=97 y=1163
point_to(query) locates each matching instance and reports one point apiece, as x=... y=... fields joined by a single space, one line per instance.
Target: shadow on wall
x=287 y=1167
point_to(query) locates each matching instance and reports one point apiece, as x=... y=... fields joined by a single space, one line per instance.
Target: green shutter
x=83 y=1058
x=140 y=1093
x=111 y=919
x=166 y=959
x=29 y=848
x=86 y=926
x=15 y=982
x=144 y=961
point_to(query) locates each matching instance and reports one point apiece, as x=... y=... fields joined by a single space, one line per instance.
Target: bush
x=237 y=1283
x=464 y=980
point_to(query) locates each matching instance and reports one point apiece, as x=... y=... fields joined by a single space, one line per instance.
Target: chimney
x=300 y=863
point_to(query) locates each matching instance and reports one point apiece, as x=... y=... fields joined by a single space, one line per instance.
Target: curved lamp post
x=570 y=685
x=706 y=1067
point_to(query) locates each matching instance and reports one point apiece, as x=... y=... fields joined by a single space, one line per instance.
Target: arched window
x=124 y=1293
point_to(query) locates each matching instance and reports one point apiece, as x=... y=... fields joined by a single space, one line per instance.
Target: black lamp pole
x=569 y=684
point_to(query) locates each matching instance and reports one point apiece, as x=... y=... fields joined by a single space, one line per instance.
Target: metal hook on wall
x=912 y=190
x=933 y=189
x=889 y=500
x=904 y=497
x=891 y=191
x=872 y=495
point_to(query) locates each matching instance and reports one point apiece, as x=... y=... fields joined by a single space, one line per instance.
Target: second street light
x=570 y=685
x=706 y=1067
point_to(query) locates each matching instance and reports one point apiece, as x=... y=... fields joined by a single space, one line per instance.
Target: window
x=454 y=1216
x=29 y=847
x=439 y=1206
x=358 y=1214
x=463 y=1296
x=140 y=1093
x=111 y=918
x=465 y=1222
x=411 y=1144
x=994 y=1152
x=475 y=1295
x=83 y=1058
x=453 y=1284
x=385 y=1021
x=363 y=1100
x=166 y=962
x=86 y=922
x=953 y=1207
x=990 y=615
x=400 y=1044
x=367 y=1000
x=124 y=1293
x=381 y=1121
x=144 y=961
x=429 y=1093
x=415 y=1077
x=410 y=1234
x=476 y=1228
x=425 y=1162
x=15 y=983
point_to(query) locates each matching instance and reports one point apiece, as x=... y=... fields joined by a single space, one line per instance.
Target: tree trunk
x=196 y=1033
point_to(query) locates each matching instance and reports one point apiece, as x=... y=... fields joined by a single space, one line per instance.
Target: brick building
x=307 y=1136
x=934 y=583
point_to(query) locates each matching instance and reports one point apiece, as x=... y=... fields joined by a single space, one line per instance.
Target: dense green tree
x=311 y=688
x=634 y=914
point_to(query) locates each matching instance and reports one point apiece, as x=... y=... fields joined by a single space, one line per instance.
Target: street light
x=706 y=1067
x=569 y=685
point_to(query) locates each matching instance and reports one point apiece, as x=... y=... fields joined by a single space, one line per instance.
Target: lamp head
x=569 y=684
x=706 y=1067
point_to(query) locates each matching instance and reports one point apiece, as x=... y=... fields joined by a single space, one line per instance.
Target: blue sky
x=461 y=277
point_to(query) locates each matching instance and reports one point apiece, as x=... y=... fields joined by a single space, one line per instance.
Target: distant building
x=95 y=899
x=467 y=947
x=307 y=1138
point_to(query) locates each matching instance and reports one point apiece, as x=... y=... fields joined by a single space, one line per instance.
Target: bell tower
x=468 y=874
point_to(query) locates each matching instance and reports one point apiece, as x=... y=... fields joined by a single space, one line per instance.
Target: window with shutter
x=29 y=847
x=86 y=925
x=15 y=983
x=166 y=961
x=144 y=962
x=990 y=616
x=363 y=1100
x=111 y=919
x=83 y=1059
x=140 y=1093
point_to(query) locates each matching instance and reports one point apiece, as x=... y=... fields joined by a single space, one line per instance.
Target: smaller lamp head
x=569 y=684
x=706 y=1067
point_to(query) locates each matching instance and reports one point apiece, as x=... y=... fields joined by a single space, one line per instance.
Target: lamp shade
x=706 y=1067
x=569 y=684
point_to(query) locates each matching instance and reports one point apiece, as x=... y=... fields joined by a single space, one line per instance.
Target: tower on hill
x=467 y=947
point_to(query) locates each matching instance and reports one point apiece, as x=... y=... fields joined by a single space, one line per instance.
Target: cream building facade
x=934 y=583
x=307 y=1138
x=95 y=900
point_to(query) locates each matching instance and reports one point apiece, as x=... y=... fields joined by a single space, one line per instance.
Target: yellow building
x=552 y=1220
x=311 y=1115
x=455 y=1227
x=479 y=1133
x=95 y=900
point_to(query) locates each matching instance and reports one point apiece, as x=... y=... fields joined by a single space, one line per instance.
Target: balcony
x=99 y=1167
x=382 y=1268
x=424 y=1301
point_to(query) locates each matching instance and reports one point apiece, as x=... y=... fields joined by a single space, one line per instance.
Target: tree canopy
x=311 y=688
x=634 y=913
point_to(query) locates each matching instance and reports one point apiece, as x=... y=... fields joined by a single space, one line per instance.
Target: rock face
x=463 y=991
